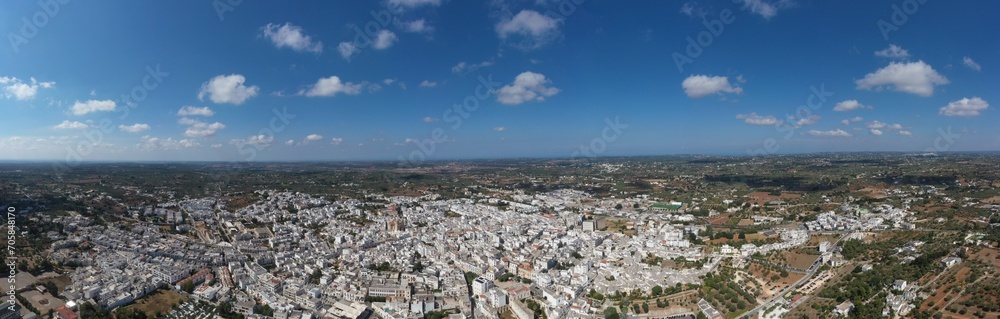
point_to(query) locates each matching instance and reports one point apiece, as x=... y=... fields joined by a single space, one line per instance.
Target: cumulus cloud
x=195 y=111
x=893 y=52
x=314 y=137
x=67 y=125
x=257 y=140
x=428 y=84
x=527 y=86
x=532 y=29
x=413 y=3
x=905 y=133
x=499 y=128
x=149 y=143
x=416 y=26
x=200 y=129
x=20 y=90
x=91 y=106
x=969 y=63
x=914 y=77
x=347 y=49
x=812 y=119
x=384 y=39
x=965 y=107
x=876 y=132
x=831 y=133
x=134 y=128
x=851 y=120
x=765 y=8
x=332 y=86
x=697 y=86
x=876 y=124
x=228 y=89
x=463 y=67
x=290 y=36
x=754 y=119
x=849 y=105
x=429 y=119
x=337 y=141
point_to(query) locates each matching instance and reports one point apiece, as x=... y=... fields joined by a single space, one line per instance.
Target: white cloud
x=150 y=143
x=200 y=129
x=413 y=3
x=905 y=133
x=259 y=140
x=428 y=84
x=696 y=86
x=971 y=64
x=463 y=67
x=536 y=29
x=91 y=106
x=347 y=49
x=893 y=52
x=384 y=39
x=21 y=91
x=195 y=111
x=851 y=120
x=754 y=119
x=290 y=142
x=134 y=128
x=849 y=105
x=876 y=124
x=965 y=107
x=332 y=86
x=764 y=8
x=812 y=119
x=527 y=86
x=67 y=125
x=314 y=137
x=913 y=77
x=875 y=132
x=831 y=133
x=429 y=119
x=416 y=26
x=499 y=128
x=291 y=36
x=336 y=140
x=895 y=127
x=228 y=89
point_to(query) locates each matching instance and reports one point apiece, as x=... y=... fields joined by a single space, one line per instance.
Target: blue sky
x=234 y=81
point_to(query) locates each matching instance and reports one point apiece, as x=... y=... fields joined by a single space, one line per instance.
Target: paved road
x=811 y=271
